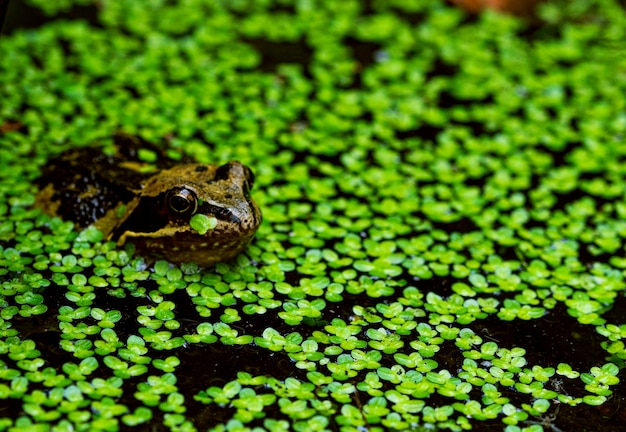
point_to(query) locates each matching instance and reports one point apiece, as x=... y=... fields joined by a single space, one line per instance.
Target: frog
x=151 y=204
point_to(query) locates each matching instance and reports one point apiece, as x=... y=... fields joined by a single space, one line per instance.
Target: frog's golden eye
x=181 y=201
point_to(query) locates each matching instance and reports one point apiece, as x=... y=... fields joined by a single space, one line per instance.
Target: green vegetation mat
x=444 y=218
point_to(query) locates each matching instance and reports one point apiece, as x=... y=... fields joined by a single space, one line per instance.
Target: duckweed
x=443 y=235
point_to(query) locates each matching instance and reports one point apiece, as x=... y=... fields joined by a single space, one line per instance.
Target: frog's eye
x=181 y=201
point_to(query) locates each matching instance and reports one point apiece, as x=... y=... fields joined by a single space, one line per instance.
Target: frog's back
x=83 y=184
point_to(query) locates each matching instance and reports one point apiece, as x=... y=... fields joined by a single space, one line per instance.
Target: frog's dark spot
x=83 y=199
x=246 y=194
x=228 y=196
x=221 y=213
x=246 y=191
x=201 y=168
x=249 y=176
x=222 y=172
x=147 y=217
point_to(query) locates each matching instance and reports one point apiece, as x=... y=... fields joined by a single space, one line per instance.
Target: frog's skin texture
x=151 y=204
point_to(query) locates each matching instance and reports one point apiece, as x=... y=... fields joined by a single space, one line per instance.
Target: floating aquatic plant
x=443 y=218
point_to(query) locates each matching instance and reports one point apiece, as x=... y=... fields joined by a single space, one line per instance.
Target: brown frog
x=151 y=204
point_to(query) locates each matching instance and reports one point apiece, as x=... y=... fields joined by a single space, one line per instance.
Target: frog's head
x=158 y=219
